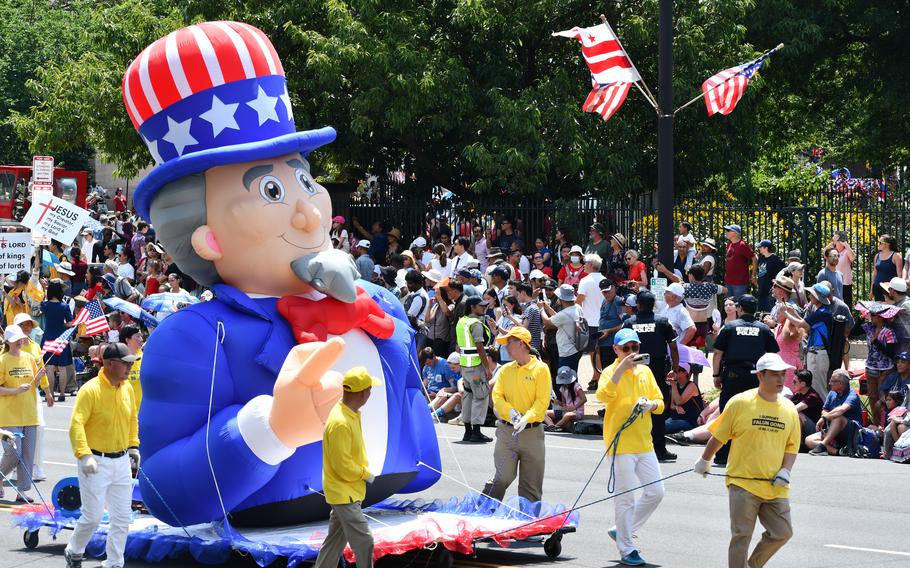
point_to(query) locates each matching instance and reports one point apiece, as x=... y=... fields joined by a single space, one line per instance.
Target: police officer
x=656 y=335
x=476 y=369
x=738 y=347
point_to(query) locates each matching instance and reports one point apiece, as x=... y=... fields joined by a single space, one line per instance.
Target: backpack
x=863 y=442
x=582 y=333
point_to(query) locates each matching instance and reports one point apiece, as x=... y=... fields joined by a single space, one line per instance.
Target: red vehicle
x=15 y=196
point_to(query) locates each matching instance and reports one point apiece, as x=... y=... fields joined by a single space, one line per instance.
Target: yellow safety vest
x=466 y=347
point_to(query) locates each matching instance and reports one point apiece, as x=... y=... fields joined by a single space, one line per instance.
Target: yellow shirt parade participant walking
x=104 y=433
x=345 y=473
x=131 y=336
x=521 y=396
x=765 y=431
x=18 y=412
x=623 y=386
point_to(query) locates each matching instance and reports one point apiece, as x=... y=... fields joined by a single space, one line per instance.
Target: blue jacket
x=178 y=378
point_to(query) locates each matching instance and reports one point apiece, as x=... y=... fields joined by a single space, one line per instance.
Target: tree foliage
x=475 y=96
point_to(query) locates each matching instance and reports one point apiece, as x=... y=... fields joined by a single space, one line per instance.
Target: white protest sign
x=58 y=219
x=43 y=169
x=658 y=287
x=15 y=252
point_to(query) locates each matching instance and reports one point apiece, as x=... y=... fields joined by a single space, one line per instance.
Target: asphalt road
x=846 y=512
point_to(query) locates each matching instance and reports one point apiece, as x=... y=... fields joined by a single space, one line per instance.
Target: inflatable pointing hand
x=305 y=392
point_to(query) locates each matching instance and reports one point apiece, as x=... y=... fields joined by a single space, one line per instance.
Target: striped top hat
x=208 y=95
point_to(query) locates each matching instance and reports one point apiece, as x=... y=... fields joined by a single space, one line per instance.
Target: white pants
x=633 y=470
x=113 y=483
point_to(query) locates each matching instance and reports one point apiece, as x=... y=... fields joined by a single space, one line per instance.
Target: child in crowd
x=568 y=403
x=882 y=345
x=895 y=421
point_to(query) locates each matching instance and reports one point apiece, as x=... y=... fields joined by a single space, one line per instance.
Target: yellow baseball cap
x=517 y=332
x=358 y=379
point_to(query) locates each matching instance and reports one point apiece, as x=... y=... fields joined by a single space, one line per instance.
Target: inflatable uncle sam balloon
x=236 y=390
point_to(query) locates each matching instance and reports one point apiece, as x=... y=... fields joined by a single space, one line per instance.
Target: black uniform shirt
x=744 y=341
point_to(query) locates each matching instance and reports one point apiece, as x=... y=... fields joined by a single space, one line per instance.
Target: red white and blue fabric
x=612 y=72
x=57 y=346
x=207 y=95
x=92 y=315
x=723 y=90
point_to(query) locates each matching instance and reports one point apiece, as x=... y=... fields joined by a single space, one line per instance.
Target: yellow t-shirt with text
x=19 y=409
x=762 y=432
x=134 y=379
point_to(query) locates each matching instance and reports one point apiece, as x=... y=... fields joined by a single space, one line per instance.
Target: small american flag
x=93 y=317
x=723 y=90
x=605 y=100
x=58 y=345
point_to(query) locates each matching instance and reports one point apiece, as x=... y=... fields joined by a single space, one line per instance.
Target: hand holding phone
x=642 y=358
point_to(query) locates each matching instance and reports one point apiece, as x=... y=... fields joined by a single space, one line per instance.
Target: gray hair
x=595 y=260
x=177 y=211
x=633 y=252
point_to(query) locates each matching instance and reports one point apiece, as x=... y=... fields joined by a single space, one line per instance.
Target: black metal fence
x=804 y=222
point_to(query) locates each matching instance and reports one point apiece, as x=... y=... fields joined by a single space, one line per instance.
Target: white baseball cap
x=419 y=242
x=677 y=290
x=13 y=333
x=453 y=358
x=577 y=249
x=22 y=318
x=537 y=273
x=363 y=243
x=899 y=285
x=772 y=362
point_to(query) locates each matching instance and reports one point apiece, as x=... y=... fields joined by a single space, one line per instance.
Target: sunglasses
x=630 y=347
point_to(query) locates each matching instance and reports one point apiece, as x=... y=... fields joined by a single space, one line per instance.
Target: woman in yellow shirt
x=18 y=413
x=16 y=300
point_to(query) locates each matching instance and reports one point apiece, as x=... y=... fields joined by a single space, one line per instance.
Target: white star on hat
x=264 y=106
x=153 y=149
x=286 y=99
x=178 y=134
x=221 y=116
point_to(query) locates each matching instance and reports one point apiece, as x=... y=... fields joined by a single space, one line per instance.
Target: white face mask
x=575 y=259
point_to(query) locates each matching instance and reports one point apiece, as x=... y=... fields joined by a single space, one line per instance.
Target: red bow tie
x=314 y=320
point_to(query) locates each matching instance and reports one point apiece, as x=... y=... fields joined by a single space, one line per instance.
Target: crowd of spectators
x=559 y=288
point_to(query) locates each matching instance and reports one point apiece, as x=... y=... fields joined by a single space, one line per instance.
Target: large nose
x=307 y=216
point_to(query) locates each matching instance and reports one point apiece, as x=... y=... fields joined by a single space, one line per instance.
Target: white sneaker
x=38 y=474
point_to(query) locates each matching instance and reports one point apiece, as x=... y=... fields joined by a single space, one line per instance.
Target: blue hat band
x=240 y=112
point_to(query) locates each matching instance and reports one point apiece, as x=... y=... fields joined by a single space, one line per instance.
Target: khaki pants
x=347 y=525
x=529 y=450
x=476 y=395
x=775 y=518
x=817 y=363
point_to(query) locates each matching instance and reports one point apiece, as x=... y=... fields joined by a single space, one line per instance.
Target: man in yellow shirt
x=131 y=336
x=765 y=430
x=521 y=396
x=104 y=433
x=16 y=300
x=345 y=473
x=627 y=386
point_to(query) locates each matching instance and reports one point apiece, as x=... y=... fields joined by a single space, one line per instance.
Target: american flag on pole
x=612 y=72
x=57 y=346
x=723 y=90
x=93 y=317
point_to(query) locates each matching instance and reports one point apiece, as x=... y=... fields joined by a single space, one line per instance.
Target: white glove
x=514 y=416
x=782 y=479
x=646 y=405
x=88 y=465
x=371 y=478
x=702 y=467
x=520 y=425
x=135 y=458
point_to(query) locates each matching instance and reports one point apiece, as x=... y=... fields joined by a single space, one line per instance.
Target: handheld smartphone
x=431 y=293
x=643 y=358
x=542 y=297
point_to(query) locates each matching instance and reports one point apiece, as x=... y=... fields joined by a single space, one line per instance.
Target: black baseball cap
x=747 y=302
x=645 y=295
x=550 y=284
x=599 y=228
x=474 y=301
x=606 y=284
x=118 y=351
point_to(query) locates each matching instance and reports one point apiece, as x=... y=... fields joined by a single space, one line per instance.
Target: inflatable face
x=235 y=390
